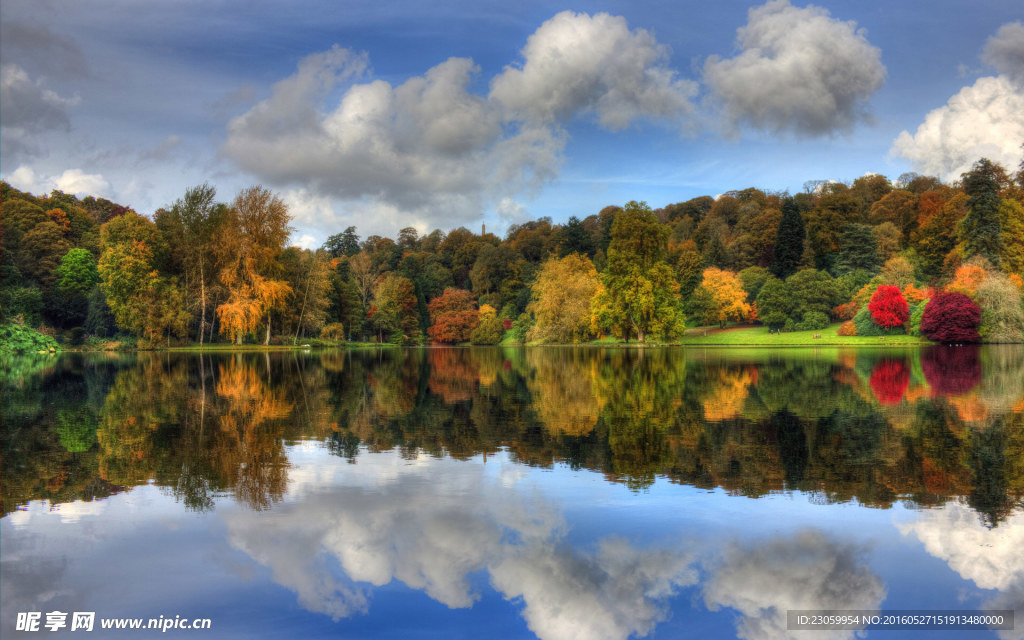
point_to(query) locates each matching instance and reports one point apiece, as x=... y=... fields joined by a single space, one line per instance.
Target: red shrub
x=951 y=317
x=888 y=308
x=845 y=311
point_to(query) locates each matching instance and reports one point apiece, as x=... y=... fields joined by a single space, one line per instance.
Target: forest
x=911 y=256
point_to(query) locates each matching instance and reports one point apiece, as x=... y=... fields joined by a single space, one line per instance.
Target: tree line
x=911 y=255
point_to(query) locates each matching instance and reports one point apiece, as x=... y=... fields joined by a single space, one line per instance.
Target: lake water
x=548 y=492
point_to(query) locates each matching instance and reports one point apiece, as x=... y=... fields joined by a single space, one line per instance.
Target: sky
x=384 y=115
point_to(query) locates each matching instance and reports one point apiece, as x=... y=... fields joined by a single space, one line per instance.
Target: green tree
x=343 y=244
x=1011 y=221
x=980 y=229
x=774 y=303
x=640 y=295
x=789 y=241
x=858 y=249
x=811 y=290
x=395 y=313
x=76 y=277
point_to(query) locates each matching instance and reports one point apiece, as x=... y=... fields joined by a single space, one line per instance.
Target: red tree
x=951 y=371
x=453 y=316
x=888 y=308
x=951 y=317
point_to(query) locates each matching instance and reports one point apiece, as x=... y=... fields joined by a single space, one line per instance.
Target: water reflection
x=874 y=426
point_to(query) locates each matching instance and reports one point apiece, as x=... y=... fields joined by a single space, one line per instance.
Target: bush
x=888 y=308
x=333 y=332
x=813 y=320
x=18 y=339
x=951 y=317
x=915 y=318
x=521 y=326
x=789 y=326
x=847 y=329
x=490 y=330
x=867 y=327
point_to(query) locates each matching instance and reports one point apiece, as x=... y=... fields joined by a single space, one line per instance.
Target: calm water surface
x=552 y=493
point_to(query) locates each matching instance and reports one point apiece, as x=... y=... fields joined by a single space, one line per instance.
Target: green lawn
x=759 y=336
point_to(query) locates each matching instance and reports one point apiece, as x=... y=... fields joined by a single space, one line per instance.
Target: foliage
x=979 y=230
x=490 y=330
x=866 y=326
x=914 y=328
x=453 y=316
x=333 y=332
x=725 y=298
x=951 y=317
x=561 y=301
x=24 y=304
x=967 y=279
x=753 y=278
x=1002 y=318
x=396 y=310
x=640 y=296
x=789 y=241
x=18 y=339
x=813 y=320
x=847 y=329
x=858 y=249
x=812 y=290
x=774 y=303
x=888 y=308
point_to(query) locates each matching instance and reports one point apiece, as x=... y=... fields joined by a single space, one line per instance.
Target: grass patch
x=759 y=336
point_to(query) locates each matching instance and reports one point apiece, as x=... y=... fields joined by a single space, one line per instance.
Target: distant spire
x=483 y=229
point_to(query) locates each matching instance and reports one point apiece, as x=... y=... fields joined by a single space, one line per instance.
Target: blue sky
x=435 y=115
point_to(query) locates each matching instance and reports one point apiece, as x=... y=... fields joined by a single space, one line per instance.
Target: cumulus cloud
x=989 y=557
x=800 y=70
x=1005 y=51
x=985 y=119
x=433 y=150
x=27 y=108
x=614 y=593
x=808 y=571
x=74 y=181
x=578 y=63
x=438 y=522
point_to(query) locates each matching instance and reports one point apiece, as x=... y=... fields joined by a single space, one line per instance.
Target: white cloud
x=80 y=183
x=430 y=149
x=382 y=526
x=575 y=63
x=800 y=70
x=989 y=557
x=807 y=571
x=985 y=119
x=1005 y=51
x=74 y=181
x=510 y=211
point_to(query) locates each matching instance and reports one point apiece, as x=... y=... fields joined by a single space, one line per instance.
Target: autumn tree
x=1002 y=318
x=251 y=240
x=1011 y=221
x=191 y=225
x=394 y=313
x=888 y=308
x=561 y=299
x=453 y=316
x=724 y=295
x=951 y=317
x=308 y=274
x=640 y=295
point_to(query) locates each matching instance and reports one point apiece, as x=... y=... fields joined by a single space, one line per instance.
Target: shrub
x=845 y=311
x=951 y=317
x=789 y=326
x=847 y=329
x=888 y=308
x=915 y=318
x=813 y=320
x=869 y=328
x=521 y=327
x=18 y=339
x=490 y=330
x=333 y=332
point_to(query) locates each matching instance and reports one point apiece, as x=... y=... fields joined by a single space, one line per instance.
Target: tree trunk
x=267 y=340
x=202 y=301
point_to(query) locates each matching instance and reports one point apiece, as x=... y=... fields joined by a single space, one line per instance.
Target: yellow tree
x=561 y=299
x=251 y=240
x=724 y=296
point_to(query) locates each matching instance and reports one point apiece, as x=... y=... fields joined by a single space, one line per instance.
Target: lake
x=513 y=493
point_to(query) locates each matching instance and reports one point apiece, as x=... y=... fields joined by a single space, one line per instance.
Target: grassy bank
x=759 y=336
